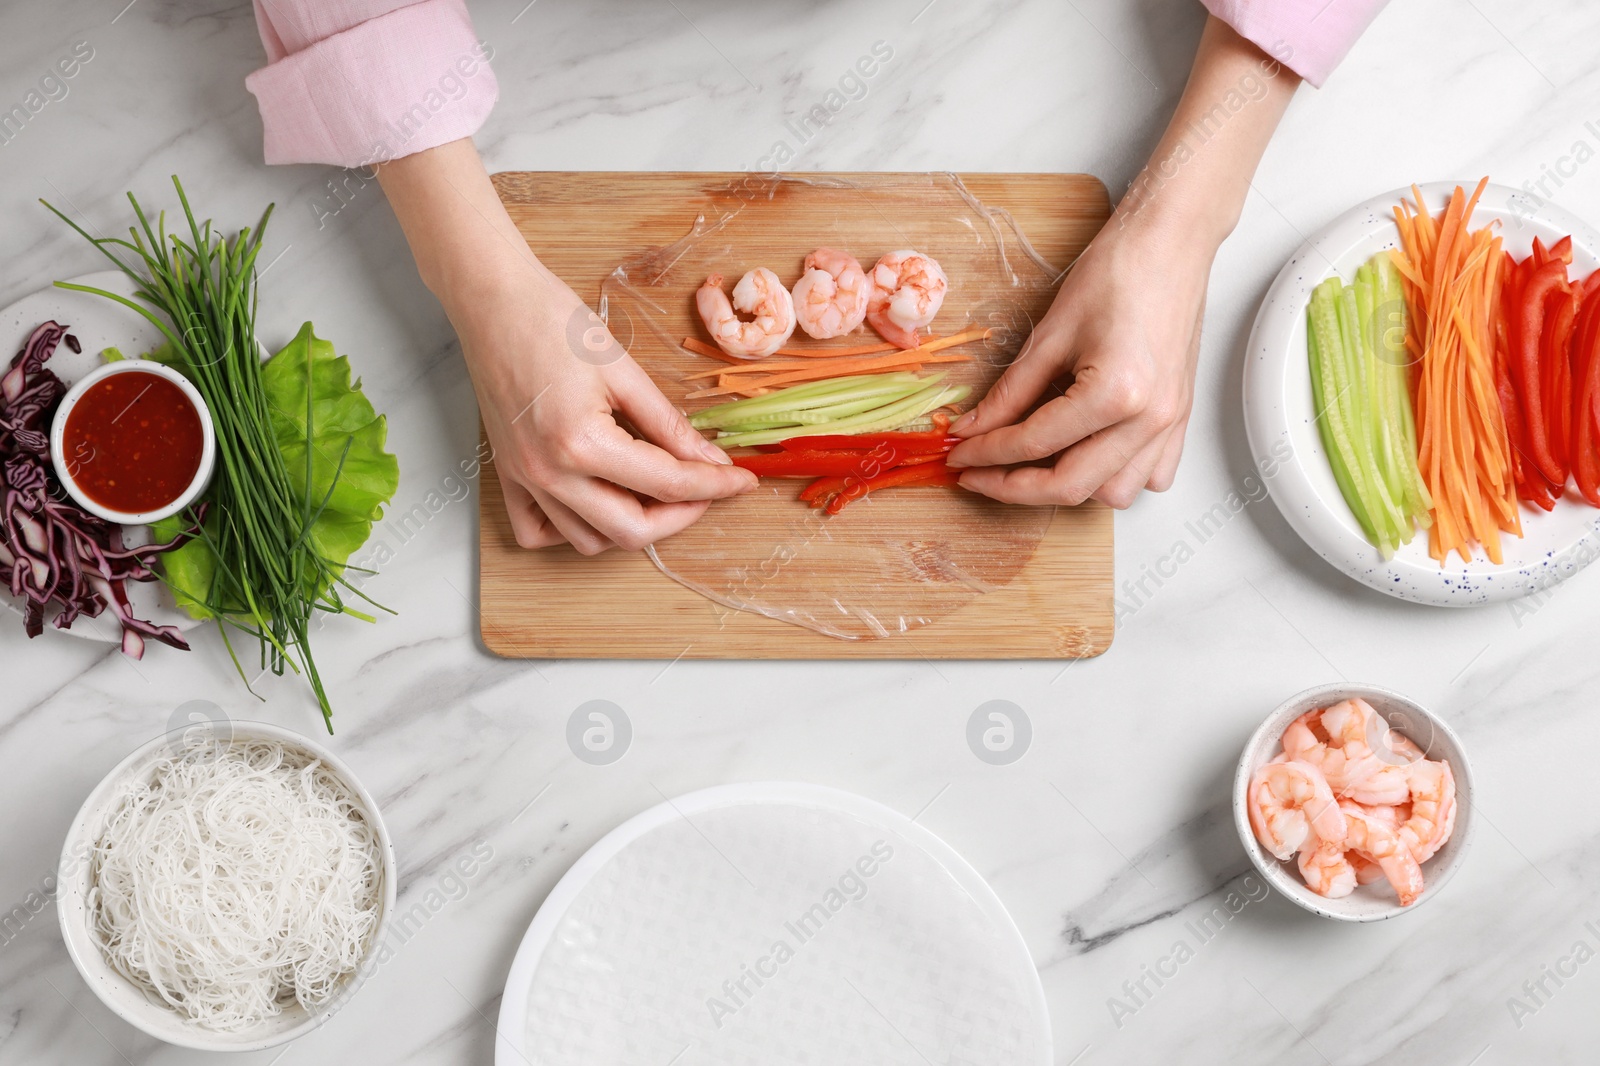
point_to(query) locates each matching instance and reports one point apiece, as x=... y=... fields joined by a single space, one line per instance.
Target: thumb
x=662 y=424
x=1038 y=364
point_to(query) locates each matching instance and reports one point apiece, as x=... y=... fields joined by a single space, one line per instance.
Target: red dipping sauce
x=133 y=442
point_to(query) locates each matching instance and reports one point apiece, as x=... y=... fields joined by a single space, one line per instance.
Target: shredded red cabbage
x=52 y=552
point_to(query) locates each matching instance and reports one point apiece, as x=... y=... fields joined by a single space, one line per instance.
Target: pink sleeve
x=1309 y=37
x=355 y=82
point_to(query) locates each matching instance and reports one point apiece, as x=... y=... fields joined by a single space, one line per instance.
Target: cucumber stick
x=1333 y=412
x=1333 y=441
x=1360 y=389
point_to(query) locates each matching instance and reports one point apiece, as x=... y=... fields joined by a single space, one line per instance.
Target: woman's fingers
x=1123 y=487
x=619 y=517
x=1075 y=477
x=643 y=467
x=674 y=462
x=578 y=532
x=531 y=526
x=1091 y=404
x=1166 y=469
x=636 y=396
x=1019 y=388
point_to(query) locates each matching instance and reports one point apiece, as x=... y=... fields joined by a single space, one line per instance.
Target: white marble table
x=1111 y=838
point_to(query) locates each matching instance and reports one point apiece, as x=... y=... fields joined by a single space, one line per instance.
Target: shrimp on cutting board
x=908 y=288
x=758 y=294
x=830 y=299
x=1287 y=802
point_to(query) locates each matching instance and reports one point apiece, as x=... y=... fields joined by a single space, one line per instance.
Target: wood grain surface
x=555 y=603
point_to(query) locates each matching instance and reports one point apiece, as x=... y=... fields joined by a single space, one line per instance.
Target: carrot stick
x=846 y=356
x=700 y=347
x=1450 y=278
x=883 y=364
x=833 y=353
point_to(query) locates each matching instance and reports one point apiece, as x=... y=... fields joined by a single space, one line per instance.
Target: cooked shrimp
x=1326 y=869
x=908 y=288
x=1307 y=741
x=760 y=294
x=1384 y=787
x=1339 y=741
x=1389 y=814
x=1401 y=749
x=1287 y=800
x=830 y=299
x=1433 y=808
x=1374 y=841
x=1367 y=871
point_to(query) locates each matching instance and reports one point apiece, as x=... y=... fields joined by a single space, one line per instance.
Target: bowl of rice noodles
x=227 y=888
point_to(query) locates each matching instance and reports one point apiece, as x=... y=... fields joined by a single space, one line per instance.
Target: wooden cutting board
x=556 y=604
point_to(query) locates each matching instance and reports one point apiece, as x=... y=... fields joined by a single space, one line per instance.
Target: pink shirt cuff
x=356 y=82
x=1309 y=37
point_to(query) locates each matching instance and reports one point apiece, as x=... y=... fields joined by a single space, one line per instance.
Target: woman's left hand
x=1096 y=404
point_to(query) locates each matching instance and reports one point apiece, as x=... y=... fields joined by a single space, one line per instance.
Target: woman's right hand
x=559 y=397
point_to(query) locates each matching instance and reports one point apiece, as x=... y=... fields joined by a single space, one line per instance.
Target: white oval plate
x=1278 y=417
x=665 y=914
x=98 y=323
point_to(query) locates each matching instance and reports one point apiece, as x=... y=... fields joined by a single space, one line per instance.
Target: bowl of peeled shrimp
x=1355 y=802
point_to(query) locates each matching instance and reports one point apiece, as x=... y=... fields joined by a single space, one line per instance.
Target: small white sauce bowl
x=127 y=1000
x=1374 y=902
x=208 y=442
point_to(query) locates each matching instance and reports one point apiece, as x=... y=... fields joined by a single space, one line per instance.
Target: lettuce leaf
x=344 y=427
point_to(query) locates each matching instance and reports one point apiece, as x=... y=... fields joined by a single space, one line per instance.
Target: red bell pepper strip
x=1586 y=375
x=1530 y=484
x=818 y=464
x=904 y=442
x=1540 y=283
x=1555 y=368
x=821 y=490
x=926 y=474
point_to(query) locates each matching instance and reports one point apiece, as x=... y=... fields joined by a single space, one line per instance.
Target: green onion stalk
x=270 y=579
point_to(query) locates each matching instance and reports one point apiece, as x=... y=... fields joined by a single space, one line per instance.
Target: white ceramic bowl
x=208 y=442
x=1374 y=902
x=123 y=997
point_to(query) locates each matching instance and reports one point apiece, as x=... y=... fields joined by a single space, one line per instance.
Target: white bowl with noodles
x=1375 y=902
x=1280 y=419
x=126 y=999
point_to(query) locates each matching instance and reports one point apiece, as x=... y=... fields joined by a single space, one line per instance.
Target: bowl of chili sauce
x=133 y=442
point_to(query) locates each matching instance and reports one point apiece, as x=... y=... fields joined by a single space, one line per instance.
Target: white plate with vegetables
x=1388 y=538
x=93 y=324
